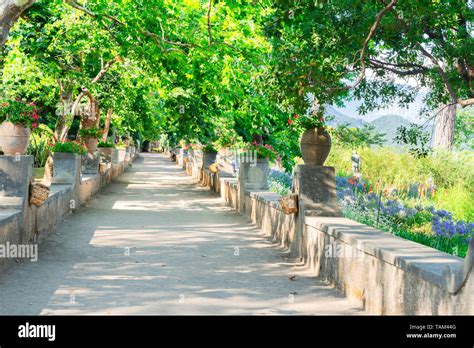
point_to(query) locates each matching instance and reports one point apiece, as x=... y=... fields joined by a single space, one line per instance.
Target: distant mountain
x=388 y=125
x=339 y=118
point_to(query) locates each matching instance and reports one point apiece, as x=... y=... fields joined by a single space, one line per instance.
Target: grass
x=451 y=173
x=444 y=180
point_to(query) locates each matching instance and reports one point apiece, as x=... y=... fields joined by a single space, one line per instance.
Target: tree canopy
x=224 y=71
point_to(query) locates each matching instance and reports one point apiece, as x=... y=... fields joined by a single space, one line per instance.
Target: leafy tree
x=365 y=49
x=357 y=137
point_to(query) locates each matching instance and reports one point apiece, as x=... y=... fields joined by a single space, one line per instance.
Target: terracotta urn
x=315 y=146
x=14 y=138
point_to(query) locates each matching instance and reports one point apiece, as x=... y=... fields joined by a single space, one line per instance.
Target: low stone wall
x=22 y=223
x=387 y=274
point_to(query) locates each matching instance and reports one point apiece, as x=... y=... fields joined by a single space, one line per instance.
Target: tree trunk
x=65 y=116
x=443 y=136
x=10 y=11
x=90 y=117
x=108 y=119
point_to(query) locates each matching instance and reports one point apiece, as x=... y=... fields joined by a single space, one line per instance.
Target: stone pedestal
x=16 y=173
x=316 y=189
x=128 y=154
x=197 y=164
x=208 y=158
x=182 y=154
x=115 y=156
x=252 y=177
x=121 y=155
x=106 y=154
x=67 y=169
x=90 y=163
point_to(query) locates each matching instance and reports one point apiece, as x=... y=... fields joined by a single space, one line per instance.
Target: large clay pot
x=315 y=146
x=14 y=138
x=91 y=143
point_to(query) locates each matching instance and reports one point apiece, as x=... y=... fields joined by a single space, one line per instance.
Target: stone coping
x=7 y=215
x=89 y=177
x=426 y=262
x=267 y=197
x=56 y=189
x=11 y=202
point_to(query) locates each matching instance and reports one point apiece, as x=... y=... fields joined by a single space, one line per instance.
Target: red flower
x=296 y=116
x=290 y=121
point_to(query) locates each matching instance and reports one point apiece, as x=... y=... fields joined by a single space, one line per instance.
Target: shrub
x=91 y=132
x=19 y=112
x=107 y=144
x=69 y=147
x=39 y=145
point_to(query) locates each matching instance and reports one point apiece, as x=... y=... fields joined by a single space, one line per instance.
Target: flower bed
x=387 y=211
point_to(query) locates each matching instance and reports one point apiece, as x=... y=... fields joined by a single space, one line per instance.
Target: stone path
x=155 y=242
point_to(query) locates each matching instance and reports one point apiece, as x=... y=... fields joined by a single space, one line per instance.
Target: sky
x=410 y=114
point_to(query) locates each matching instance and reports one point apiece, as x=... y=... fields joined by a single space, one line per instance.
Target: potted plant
x=67 y=161
x=17 y=119
x=69 y=147
x=315 y=143
x=106 y=149
x=91 y=137
x=262 y=152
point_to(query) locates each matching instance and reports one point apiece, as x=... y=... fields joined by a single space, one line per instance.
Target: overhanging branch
x=363 y=53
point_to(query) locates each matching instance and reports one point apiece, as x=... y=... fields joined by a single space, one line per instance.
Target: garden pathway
x=155 y=242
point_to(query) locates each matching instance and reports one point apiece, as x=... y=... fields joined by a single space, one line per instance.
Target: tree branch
x=437 y=65
x=96 y=79
x=209 y=22
x=363 y=53
x=104 y=69
x=145 y=32
x=387 y=66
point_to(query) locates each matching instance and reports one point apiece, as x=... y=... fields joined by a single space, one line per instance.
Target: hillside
x=340 y=118
x=388 y=125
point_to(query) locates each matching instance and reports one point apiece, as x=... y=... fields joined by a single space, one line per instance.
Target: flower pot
x=91 y=143
x=14 y=138
x=315 y=146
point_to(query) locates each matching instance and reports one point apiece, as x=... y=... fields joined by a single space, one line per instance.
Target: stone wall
x=386 y=274
x=22 y=223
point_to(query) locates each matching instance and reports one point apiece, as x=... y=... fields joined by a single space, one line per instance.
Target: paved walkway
x=155 y=242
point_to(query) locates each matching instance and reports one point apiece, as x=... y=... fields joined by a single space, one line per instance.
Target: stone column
x=16 y=173
x=252 y=177
x=90 y=162
x=316 y=189
x=67 y=171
